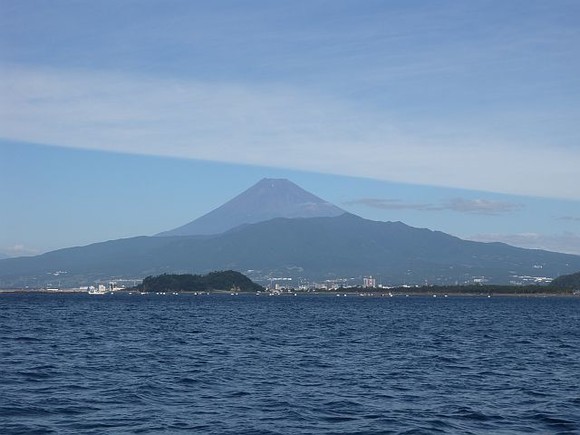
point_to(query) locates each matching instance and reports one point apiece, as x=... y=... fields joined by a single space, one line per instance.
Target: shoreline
x=385 y=294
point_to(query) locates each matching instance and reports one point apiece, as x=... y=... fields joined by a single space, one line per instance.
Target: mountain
x=313 y=249
x=268 y=199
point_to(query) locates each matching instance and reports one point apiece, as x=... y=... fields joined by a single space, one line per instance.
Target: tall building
x=369 y=281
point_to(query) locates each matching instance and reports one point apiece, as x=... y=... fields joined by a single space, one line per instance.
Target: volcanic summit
x=268 y=199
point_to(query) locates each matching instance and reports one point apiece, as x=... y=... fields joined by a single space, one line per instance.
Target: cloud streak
x=570 y=218
x=481 y=206
x=392 y=204
x=270 y=125
x=460 y=205
x=19 y=250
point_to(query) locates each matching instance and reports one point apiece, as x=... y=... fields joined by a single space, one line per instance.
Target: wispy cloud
x=481 y=206
x=392 y=204
x=570 y=218
x=266 y=124
x=461 y=205
x=566 y=242
x=18 y=250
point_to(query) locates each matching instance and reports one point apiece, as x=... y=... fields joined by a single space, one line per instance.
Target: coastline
x=381 y=294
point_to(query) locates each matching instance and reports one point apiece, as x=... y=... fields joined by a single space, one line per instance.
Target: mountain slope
x=345 y=246
x=269 y=198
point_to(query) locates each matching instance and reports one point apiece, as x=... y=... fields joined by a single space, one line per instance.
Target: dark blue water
x=285 y=365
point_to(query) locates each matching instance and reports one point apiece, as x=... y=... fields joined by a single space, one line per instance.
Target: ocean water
x=118 y=364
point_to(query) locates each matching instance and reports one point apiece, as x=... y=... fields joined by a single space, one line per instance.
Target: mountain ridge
x=313 y=249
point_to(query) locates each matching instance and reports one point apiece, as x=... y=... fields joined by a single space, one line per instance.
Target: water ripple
x=254 y=365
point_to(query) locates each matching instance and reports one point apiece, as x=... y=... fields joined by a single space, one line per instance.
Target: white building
x=369 y=281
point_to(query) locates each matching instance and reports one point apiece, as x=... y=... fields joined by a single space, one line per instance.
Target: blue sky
x=452 y=115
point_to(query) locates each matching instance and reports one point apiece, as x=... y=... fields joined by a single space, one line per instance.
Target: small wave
x=35 y=376
x=188 y=380
x=237 y=394
x=555 y=422
x=25 y=339
x=339 y=418
x=24 y=411
x=18 y=429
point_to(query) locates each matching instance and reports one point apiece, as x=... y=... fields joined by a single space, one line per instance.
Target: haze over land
x=276 y=231
x=122 y=119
